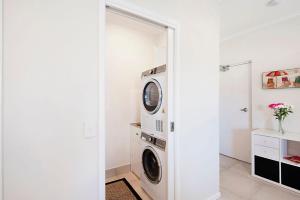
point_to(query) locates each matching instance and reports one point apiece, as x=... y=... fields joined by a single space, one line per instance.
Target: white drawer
x=266 y=152
x=266 y=141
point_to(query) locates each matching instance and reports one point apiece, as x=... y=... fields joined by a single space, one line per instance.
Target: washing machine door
x=152 y=96
x=151 y=165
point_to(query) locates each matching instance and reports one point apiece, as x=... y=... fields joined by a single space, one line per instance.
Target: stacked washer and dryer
x=154 y=135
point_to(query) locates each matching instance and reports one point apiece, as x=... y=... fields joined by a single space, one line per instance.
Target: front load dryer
x=153 y=108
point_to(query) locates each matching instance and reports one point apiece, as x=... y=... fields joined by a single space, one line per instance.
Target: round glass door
x=151 y=166
x=152 y=96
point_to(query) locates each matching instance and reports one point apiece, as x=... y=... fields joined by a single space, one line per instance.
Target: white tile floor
x=236 y=183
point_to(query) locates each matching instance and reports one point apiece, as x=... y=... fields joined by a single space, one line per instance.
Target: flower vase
x=280 y=127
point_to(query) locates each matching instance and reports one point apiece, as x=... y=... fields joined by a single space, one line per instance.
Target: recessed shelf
x=290 y=162
x=290 y=176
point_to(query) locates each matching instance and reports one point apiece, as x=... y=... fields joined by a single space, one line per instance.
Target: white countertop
x=137 y=125
x=272 y=133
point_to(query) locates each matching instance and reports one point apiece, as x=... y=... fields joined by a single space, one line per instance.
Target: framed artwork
x=279 y=79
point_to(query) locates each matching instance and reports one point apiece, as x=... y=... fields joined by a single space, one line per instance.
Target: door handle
x=244 y=109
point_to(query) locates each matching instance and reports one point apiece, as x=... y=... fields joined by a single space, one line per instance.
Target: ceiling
x=241 y=16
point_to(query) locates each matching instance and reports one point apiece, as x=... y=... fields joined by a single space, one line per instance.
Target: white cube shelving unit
x=268 y=151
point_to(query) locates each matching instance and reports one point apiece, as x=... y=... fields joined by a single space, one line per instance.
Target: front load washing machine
x=154 y=162
x=153 y=111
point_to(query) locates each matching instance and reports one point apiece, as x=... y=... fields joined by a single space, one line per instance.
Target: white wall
x=50 y=90
x=132 y=47
x=197 y=167
x=274 y=47
x=198 y=140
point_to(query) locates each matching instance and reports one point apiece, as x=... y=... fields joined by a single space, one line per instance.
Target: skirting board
x=215 y=196
x=117 y=171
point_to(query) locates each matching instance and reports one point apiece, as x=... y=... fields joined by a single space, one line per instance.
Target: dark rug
x=120 y=190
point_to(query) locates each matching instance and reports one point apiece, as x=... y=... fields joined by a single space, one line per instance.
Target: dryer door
x=152 y=96
x=151 y=165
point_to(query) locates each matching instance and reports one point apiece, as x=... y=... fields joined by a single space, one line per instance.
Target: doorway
x=135 y=94
x=235 y=111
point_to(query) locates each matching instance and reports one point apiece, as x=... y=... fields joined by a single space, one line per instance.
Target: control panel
x=154 y=141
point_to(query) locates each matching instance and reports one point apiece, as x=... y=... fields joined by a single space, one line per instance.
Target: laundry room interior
x=135 y=48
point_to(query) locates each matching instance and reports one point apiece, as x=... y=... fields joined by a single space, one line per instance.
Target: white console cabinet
x=135 y=150
x=268 y=151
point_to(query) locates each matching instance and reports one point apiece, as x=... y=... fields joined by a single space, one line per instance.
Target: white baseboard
x=117 y=171
x=215 y=196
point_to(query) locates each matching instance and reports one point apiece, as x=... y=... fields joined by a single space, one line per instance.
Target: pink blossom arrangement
x=275 y=105
x=281 y=111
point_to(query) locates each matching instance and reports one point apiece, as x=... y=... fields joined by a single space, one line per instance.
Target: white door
x=235 y=112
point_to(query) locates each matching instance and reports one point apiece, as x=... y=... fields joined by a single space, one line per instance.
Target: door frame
x=1 y=102
x=173 y=89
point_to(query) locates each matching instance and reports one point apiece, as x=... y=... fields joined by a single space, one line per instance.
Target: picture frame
x=281 y=79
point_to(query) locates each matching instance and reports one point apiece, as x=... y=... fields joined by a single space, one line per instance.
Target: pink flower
x=275 y=105
x=272 y=105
